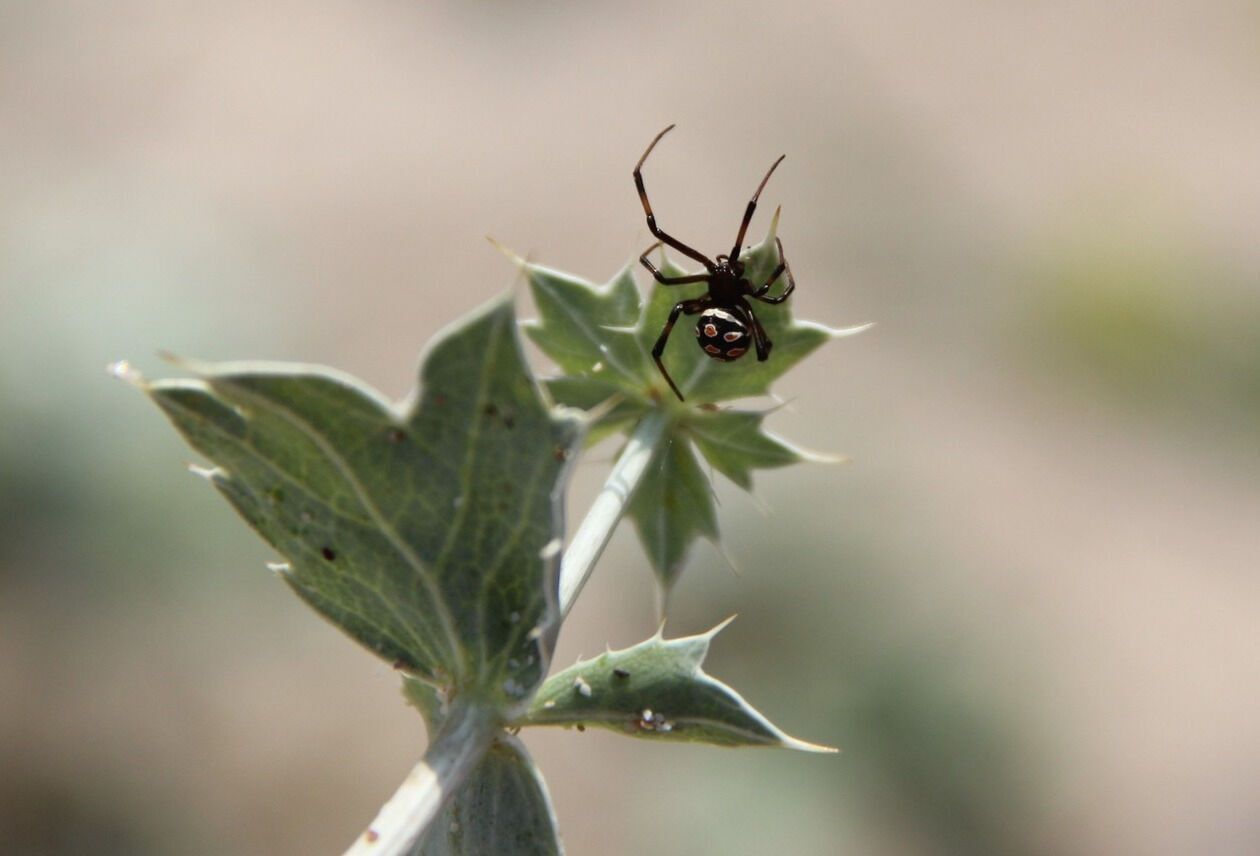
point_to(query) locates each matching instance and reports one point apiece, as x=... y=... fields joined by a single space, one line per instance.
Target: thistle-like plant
x=431 y=531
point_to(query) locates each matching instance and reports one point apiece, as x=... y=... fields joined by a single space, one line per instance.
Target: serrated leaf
x=584 y=327
x=734 y=442
x=672 y=508
x=502 y=808
x=657 y=690
x=419 y=530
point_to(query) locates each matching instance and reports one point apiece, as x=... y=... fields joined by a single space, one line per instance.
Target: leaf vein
x=387 y=529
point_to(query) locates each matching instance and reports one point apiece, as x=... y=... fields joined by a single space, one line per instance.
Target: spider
x=726 y=322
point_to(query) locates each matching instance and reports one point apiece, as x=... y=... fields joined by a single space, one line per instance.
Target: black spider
x=726 y=319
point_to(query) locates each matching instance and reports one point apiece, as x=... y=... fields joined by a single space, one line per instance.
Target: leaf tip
x=124 y=371
x=842 y=332
x=210 y=474
x=663 y=589
x=810 y=457
x=721 y=625
x=511 y=254
x=789 y=742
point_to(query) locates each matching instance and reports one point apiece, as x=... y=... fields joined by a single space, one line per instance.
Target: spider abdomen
x=722 y=334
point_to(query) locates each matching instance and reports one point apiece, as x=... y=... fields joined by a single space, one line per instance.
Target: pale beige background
x=1029 y=610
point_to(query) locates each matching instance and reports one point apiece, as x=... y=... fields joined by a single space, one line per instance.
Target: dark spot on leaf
x=396 y=435
x=509 y=421
x=275 y=496
x=561 y=454
x=490 y=410
x=621 y=673
x=328 y=553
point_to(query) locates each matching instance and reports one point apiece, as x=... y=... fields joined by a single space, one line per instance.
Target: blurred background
x=1029 y=610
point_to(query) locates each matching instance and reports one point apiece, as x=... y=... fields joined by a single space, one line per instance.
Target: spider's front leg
x=657 y=231
x=669 y=280
x=783 y=268
x=691 y=307
x=752 y=206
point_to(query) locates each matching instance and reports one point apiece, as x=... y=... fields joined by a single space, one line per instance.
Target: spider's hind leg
x=691 y=307
x=760 y=340
x=783 y=268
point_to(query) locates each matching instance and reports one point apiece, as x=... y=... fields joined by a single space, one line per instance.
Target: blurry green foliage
x=1150 y=322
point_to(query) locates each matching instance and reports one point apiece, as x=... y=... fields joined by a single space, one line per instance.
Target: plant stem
x=592 y=536
x=456 y=749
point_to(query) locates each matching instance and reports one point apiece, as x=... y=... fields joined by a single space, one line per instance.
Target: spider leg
x=760 y=340
x=691 y=307
x=783 y=268
x=651 y=218
x=752 y=206
x=669 y=280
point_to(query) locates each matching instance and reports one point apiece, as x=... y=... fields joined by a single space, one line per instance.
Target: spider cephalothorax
x=723 y=265
x=727 y=324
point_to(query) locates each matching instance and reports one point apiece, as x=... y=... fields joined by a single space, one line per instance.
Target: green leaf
x=611 y=409
x=657 y=690
x=503 y=809
x=583 y=326
x=672 y=508
x=735 y=444
x=429 y=532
